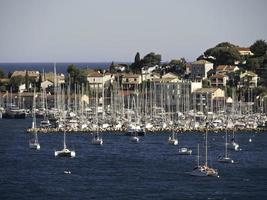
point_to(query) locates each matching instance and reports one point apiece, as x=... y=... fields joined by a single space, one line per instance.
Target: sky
x=114 y=30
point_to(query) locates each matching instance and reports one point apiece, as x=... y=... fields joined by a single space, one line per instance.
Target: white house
x=97 y=79
x=200 y=68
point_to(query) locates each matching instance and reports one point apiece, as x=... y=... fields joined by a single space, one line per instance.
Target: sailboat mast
x=197 y=154
x=226 y=143
x=64 y=141
x=206 y=157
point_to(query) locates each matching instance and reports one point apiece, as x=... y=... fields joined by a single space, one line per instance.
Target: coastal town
x=226 y=87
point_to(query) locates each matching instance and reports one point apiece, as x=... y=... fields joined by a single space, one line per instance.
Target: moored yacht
x=173 y=139
x=134 y=139
x=34 y=143
x=97 y=140
x=204 y=170
x=65 y=152
x=184 y=151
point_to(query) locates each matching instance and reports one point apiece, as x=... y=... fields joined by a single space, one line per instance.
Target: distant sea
x=61 y=67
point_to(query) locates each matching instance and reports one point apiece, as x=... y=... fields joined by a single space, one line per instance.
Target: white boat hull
x=134 y=139
x=65 y=153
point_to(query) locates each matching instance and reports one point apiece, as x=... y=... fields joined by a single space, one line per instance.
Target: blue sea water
x=122 y=170
x=47 y=67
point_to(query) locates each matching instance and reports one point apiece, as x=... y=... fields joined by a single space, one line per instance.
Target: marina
x=153 y=166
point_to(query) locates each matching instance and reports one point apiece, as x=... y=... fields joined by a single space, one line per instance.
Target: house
x=248 y=79
x=170 y=78
x=98 y=80
x=46 y=84
x=208 y=99
x=218 y=80
x=226 y=69
x=244 y=51
x=200 y=69
x=150 y=76
x=149 y=70
x=50 y=76
x=31 y=74
x=131 y=81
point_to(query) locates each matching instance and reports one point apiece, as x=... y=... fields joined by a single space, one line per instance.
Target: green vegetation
x=2 y=73
x=149 y=60
x=259 y=48
x=224 y=53
x=76 y=75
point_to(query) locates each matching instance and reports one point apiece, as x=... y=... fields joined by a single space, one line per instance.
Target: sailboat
x=97 y=140
x=225 y=158
x=34 y=143
x=233 y=145
x=204 y=170
x=65 y=152
x=173 y=139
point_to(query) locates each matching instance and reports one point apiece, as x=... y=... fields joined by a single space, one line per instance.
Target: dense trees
x=15 y=82
x=177 y=66
x=224 y=53
x=2 y=73
x=149 y=60
x=259 y=48
x=76 y=75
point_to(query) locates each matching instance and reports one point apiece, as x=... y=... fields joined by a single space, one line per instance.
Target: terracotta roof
x=201 y=62
x=243 y=49
x=23 y=73
x=95 y=74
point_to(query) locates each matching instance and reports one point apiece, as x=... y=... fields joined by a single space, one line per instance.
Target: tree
x=252 y=64
x=38 y=83
x=2 y=73
x=151 y=59
x=112 y=68
x=224 y=53
x=137 y=58
x=15 y=82
x=259 y=48
x=27 y=81
x=178 y=66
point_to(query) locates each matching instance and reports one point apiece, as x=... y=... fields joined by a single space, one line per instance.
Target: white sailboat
x=204 y=170
x=34 y=143
x=225 y=158
x=97 y=140
x=65 y=152
x=173 y=139
x=233 y=145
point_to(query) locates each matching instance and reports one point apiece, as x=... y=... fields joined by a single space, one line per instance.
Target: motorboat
x=134 y=139
x=185 y=151
x=45 y=123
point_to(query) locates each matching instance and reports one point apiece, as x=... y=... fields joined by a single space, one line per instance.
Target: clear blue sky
x=114 y=30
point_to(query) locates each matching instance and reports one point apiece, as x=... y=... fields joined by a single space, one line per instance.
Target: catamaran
x=65 y=152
